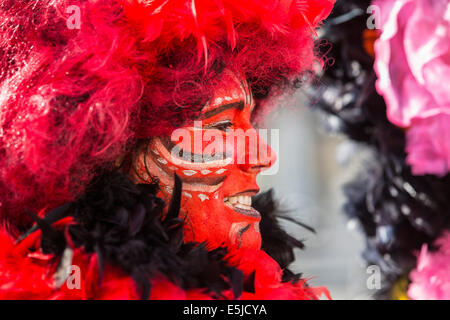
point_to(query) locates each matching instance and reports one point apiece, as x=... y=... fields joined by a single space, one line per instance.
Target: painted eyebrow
x=238 y=105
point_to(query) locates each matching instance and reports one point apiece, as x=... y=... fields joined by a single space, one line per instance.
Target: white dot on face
x=203 y=197
x=220 y=171
x=168 y=189
x=189 y=172
x=161 y=160
x=205 y=171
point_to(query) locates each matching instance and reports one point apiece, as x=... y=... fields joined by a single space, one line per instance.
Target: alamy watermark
x=374 y=20
x=74 y=20
x=374 y=279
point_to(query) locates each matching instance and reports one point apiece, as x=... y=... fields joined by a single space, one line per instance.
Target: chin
x=250 y=240
x=222 y=225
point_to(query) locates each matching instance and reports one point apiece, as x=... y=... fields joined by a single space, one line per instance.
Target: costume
x=380 y=88
x=90 y=94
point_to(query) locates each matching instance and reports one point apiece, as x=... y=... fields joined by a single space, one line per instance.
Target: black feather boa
x=126 y=226
x=398 y=211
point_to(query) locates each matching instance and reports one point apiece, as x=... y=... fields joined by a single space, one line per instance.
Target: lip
x=252 y=212
x=249 y=192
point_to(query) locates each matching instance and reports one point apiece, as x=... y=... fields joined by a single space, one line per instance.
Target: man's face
x=217 y=158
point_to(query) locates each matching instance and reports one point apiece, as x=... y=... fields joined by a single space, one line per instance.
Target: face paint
x=217 y=159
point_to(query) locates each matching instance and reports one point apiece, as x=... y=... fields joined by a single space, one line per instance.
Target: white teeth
x=242 y=201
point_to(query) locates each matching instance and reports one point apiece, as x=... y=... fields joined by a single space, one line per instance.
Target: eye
x=220 y=125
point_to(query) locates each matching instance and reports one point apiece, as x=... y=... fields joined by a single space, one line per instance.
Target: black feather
x=275 y=240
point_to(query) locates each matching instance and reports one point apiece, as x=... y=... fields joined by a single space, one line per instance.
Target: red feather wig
x=82 y=81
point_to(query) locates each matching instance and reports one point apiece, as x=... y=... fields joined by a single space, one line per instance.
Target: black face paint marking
x=176 y=150
x=241 y=232
x=208 y=114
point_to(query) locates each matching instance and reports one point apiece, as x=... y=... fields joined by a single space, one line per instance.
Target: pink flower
x=431 y=278
x=428 y=144
x=413 y=68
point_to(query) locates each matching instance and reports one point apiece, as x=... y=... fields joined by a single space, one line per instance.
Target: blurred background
x=314 y=163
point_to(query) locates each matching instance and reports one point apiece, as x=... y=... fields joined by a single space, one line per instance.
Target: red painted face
x=217 y=159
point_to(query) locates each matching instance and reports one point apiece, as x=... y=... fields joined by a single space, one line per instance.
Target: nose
x=259 y=156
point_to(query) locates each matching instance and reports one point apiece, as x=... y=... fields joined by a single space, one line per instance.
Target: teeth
x=243 y=202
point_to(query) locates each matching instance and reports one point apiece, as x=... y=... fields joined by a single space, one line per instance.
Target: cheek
x=205 y=221
x=207 y=218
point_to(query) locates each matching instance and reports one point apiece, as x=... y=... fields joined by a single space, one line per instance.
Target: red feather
x=30 y=276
